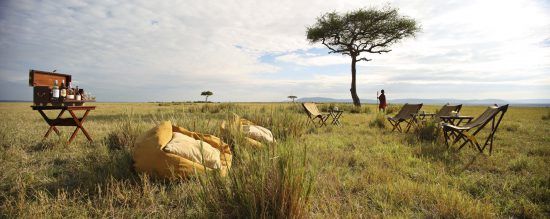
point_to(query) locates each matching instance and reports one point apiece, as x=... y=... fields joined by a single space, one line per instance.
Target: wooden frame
x=73 y=121
x=313 y=114
x=467 y=133
x=406 y=115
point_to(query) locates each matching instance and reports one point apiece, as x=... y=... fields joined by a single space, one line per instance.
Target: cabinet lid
x=44 y=78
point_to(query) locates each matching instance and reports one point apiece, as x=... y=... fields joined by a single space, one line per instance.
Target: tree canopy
x=207 y=94
x=361 y=31
x=292 y=97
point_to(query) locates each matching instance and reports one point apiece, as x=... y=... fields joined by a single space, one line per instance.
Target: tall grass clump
x=125 y=133
x=294 y=108
x=283 y=124
x=269 y=185
x=379 y=121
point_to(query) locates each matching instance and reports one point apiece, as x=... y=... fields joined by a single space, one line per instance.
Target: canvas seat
x=405 y=115
x=314 y=115
x=149 y=156
x=467 y=133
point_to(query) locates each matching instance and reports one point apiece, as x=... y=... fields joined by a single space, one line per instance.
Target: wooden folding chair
x=314 y=114
x=467 y=133
x=406 y=114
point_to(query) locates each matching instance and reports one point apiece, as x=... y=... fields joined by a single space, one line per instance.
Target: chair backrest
x=446 y=110
x=311 y=109
x=487 y=116
x=407 y=110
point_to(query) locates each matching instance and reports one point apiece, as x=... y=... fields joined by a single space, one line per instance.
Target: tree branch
x=364 y=59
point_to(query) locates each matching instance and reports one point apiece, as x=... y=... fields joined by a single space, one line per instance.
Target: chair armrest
x=456 y=117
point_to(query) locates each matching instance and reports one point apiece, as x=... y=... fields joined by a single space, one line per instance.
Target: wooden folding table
x=73 y=121
x=336 y=116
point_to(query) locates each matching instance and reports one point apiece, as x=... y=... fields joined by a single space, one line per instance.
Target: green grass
x=359 y=169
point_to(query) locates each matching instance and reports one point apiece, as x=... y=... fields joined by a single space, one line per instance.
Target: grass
x=359 y=169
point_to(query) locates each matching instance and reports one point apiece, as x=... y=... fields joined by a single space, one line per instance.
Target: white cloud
x=171 y=50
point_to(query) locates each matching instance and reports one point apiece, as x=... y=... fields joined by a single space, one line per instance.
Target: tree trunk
x=206 y=99
x=353 y=89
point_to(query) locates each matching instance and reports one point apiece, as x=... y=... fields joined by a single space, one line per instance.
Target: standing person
x=383 y=104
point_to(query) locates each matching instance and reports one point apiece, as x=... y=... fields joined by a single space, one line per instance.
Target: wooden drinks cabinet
x=42 y=83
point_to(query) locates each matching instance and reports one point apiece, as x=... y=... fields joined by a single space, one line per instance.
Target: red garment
x=383 y=103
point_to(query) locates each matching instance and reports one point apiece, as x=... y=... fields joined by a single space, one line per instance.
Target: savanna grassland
x=359 y=169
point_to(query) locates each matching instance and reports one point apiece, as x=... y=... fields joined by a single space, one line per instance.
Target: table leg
x=79 y=126
x=52 y=127
x=336 y=120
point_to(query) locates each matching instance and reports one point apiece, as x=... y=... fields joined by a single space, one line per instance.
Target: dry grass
x=353 y=170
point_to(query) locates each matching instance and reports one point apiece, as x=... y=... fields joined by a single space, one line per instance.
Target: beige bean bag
x=258 y=133
x=195 y=150
x=254 y=134
x=151 y=157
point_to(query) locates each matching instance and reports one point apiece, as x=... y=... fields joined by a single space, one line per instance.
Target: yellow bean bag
x=237 y=123
x=149 y=156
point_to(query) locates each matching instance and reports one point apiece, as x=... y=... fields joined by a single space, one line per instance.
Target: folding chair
x=406 y=114
x=314 y=114
x=467 y=133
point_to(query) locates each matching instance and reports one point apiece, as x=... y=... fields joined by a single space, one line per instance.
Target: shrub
x=392 y=109
x=547 y=116
x=379 y=121
x=355 y=109
x=428 y=131
x=514 y=127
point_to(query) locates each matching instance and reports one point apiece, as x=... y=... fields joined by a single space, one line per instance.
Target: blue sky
x=257 y=50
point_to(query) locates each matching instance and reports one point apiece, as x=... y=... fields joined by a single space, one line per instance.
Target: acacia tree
x=362 y=31
x=292 y=97
x=207 y=94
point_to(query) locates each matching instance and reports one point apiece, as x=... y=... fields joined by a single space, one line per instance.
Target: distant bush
x=379 y=121
x=213 y=108
x=547 y=116
x=345 y=107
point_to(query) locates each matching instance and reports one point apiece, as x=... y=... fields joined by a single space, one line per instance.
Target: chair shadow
x=452 y=157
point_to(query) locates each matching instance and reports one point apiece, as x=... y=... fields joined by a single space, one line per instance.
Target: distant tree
x=207 y=94
x=361 y=31
x=292 y=97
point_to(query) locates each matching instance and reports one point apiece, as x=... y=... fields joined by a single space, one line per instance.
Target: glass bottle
x=70 y=93
x=63 y=92
x=55 y=91
x=77 y=94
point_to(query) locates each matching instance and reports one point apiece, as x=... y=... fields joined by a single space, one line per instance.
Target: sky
x=250 y=50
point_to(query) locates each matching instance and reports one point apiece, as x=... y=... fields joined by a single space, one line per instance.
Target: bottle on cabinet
x=63 y=90
x=77 y=94
x=70 y=92
x=55 y=91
